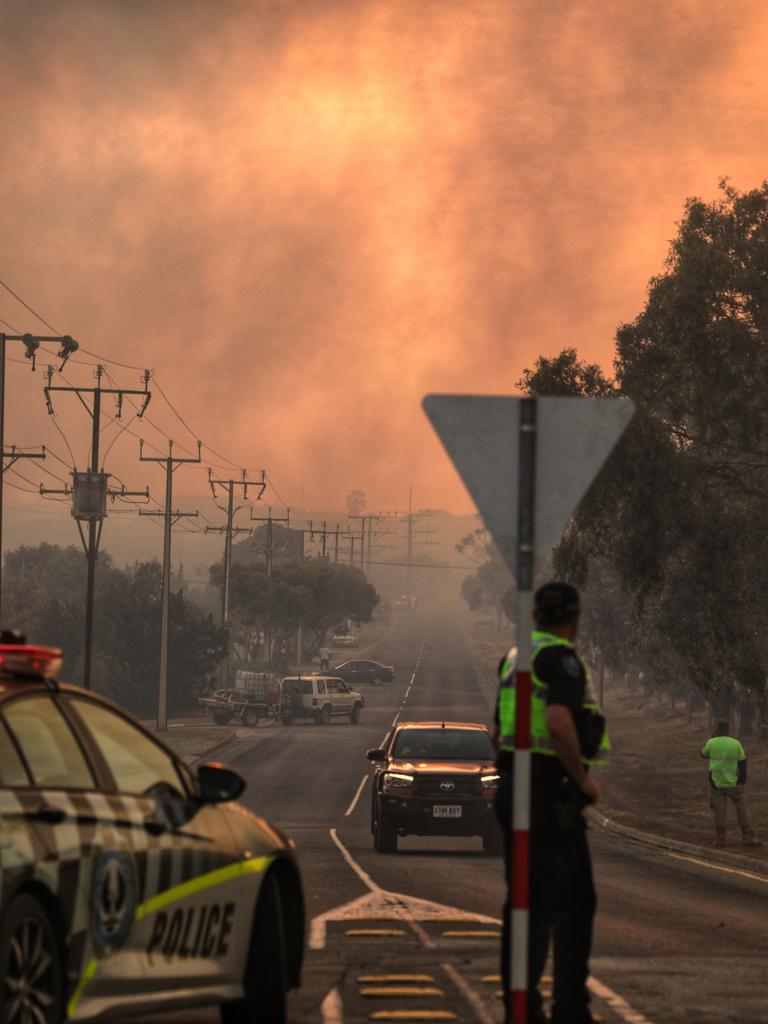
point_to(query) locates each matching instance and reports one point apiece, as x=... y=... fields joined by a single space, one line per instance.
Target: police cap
x=554 y=604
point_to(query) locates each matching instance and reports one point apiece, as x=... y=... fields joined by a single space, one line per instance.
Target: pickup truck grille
x=430 y=787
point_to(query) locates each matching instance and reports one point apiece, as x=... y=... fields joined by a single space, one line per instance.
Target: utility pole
x=409 y=557
x=171 y=463
x=31 y=343
x=362 y=519
x=229 y=487
x=90 y=489
x=336 y=545
x=269 y=519
x=366 y=537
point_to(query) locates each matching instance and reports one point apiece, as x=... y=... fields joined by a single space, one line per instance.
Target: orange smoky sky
x=306 y=215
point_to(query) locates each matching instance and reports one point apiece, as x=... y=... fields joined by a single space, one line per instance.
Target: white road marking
x=356 y=797
x=364 y=877
x=474 y=1000
x=331 y=1008
x=617 y=1003
x=394 y=720
x=381 y=905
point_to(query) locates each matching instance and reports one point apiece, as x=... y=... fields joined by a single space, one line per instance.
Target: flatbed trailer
x=254 y=697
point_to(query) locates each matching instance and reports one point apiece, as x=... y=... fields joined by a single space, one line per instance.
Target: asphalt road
x=676 y=941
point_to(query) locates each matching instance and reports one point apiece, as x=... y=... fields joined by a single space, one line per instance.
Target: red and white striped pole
x=517 y=997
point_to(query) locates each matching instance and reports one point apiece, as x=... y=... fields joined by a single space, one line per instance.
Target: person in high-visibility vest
x=727 y=781
x=567 y=735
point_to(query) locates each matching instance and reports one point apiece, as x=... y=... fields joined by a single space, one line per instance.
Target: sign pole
x=518 y=925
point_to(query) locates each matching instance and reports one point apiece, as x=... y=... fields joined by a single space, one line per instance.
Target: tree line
x=669 y=544
x=44 y=596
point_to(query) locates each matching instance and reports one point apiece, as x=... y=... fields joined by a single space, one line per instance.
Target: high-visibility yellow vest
x=540 y=740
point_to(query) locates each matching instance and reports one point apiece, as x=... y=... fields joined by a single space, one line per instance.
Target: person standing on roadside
x=325 y=658
x=727 y=764
x=567 y=734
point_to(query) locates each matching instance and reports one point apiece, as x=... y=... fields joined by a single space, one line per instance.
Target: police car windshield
x=444 y=745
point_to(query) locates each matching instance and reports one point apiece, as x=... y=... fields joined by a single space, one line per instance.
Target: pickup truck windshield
x=444 y=745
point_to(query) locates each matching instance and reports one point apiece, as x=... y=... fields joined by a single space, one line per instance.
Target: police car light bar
x=24 y=661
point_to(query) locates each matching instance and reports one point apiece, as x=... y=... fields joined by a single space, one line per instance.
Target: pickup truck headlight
x=397 y=780
x=490 y=781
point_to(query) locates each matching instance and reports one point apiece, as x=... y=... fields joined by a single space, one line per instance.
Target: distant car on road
x=344 y=640
x=320 y=698
x=435 y=779
x=129 y=884
x=363 y=671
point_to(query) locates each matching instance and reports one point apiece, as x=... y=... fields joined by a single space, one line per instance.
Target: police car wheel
x=266 y=972
x=31 y=965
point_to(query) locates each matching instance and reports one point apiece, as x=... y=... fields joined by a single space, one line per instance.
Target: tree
x=45 y=588
x=315 y=593
x=677 y=511
x=489 y=588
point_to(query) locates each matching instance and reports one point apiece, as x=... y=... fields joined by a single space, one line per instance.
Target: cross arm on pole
x=14 y=454
x=170 y=457
x=175 y=516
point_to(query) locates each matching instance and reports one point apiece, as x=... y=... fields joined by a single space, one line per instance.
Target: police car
x=128 y=883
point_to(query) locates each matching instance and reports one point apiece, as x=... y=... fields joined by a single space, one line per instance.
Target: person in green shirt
x=727 y=781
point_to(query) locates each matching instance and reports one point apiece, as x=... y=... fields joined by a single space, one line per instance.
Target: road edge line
x=713 y=857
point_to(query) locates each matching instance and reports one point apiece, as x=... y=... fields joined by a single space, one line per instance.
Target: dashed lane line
x=356 y=797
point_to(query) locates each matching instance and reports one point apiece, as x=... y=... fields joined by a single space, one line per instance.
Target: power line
x=27 y=306
x=130 y=366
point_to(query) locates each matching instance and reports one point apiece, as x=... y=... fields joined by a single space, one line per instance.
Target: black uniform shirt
x=566 y=683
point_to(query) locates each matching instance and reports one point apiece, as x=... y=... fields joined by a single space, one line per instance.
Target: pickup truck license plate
x=446 y=810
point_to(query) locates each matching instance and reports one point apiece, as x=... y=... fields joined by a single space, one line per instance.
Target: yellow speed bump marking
x=400 y=992
x=470 y=934
x=375 y=932
x=413 y=1015
x=491 y=979
x=413 y=979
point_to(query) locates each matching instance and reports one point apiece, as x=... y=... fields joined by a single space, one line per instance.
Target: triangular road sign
x=574 y=437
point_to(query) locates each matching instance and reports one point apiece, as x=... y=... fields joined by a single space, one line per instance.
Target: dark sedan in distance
x=359 y=671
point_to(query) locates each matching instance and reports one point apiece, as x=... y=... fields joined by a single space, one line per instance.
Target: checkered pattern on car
x=63 y=856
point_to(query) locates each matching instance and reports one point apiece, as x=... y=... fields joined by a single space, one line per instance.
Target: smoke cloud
x=306 y=215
